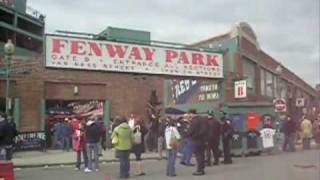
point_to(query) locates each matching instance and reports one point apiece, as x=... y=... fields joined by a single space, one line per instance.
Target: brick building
x=266 y=78
x=125 y=93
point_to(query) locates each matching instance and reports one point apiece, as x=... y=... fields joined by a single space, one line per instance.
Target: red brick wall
x=127 y=93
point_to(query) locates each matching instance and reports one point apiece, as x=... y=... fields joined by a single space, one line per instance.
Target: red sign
x=89 y=54
x=280 y=105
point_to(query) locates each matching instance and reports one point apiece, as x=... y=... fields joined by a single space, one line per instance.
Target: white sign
x=280 y=105
x=86 y=54
x=300 y=102
x=240 y=89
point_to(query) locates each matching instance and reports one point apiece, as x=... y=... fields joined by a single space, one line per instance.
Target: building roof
x=244 y=30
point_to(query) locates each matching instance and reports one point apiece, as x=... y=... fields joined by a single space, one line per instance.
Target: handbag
x=115 y=139
x=174 y=142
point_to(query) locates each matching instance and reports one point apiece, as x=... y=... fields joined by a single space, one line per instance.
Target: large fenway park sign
x=87 y=54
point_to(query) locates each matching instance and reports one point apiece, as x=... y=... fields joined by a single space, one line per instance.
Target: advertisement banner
x=192 y=91
x=88 y=54
x=33 y=140
x=57 y=109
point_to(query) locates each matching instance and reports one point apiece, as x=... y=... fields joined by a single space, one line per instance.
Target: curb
x=45 y=165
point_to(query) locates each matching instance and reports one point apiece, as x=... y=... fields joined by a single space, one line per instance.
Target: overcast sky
x=288 y=30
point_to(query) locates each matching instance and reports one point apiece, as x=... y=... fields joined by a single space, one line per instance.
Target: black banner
x=27 y=141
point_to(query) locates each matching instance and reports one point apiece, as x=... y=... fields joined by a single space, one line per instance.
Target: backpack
x=137 y=136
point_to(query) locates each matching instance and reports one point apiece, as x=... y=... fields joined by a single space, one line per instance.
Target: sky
x=288 y=30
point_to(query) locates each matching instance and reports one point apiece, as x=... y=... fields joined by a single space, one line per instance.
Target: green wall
x=231 y=46
x=18 y=51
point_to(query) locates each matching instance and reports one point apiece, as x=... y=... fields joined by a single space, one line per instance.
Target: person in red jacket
x=81 y=147
x=74 y=126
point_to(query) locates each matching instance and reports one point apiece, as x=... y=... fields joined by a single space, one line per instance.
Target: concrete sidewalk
x=60 y=158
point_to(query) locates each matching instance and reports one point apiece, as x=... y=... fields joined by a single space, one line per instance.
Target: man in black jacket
x=213 y=140
x=8 y=132
x=198 y=132
x=93 y=133
x=289 y=129
x=227 y=133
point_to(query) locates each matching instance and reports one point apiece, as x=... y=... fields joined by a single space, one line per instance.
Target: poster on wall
x=33 y=140
x=240 y=89
x=89 y=54
x=191 y=91
x=57 y=109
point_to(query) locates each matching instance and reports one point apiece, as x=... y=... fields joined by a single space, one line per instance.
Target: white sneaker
x=87 y=170
x=77 y=169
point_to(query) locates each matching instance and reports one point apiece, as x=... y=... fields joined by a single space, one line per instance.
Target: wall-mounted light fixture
x=75 y=90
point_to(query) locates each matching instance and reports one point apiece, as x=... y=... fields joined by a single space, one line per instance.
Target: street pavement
x=59 y=157
x=302 y=165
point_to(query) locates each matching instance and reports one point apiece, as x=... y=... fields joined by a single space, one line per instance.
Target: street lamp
x=278 y=73
x=8 y=51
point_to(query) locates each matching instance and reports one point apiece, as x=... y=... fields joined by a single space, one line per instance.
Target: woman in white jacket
x=172 y=138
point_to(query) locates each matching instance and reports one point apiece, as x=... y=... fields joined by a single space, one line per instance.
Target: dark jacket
x=214 y=131
x=139 y=148
x=289 y=127
x=103 y=130
x=66 y=130
x=161 y=129
x=7 y=133
x=198 y=129
x=93 y=133
x=226 y=131
x=183 y=128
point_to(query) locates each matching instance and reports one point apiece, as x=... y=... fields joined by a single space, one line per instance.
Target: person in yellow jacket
x=306 y=128
x=122 y=139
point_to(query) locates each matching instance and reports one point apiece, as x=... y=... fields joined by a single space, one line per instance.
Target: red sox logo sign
x=240 y=89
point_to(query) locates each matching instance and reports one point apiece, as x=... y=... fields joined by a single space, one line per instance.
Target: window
x=263 y=82
x=283 y=86
x=269 y=84
x=249 y=73
x=275 y=87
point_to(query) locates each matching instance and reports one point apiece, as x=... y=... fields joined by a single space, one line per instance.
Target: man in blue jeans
x=187 y=152
x=186 y=142
x=93 y=138
x=66 y=135
x=123 y=156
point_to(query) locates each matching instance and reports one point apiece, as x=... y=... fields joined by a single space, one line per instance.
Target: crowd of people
x=200 y=135
x=85 y=135
x=191 y=134
x=187 y=135
x=300 y=131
